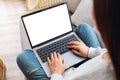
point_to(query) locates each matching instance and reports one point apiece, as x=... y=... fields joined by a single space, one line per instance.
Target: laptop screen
x=47 y=24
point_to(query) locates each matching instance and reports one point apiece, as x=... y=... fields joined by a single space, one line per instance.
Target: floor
x=10 y=44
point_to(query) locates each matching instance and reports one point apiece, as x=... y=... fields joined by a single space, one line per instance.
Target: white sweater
x=94 y=69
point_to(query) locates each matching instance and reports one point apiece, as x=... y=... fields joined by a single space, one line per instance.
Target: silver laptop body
x=47 y=26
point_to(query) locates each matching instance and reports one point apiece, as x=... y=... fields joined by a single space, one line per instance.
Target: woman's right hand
x=78 y=48
x=56 y=63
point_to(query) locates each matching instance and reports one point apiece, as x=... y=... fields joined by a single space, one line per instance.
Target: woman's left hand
x=56 y=64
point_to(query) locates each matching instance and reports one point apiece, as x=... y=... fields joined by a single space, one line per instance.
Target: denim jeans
x=32 y=69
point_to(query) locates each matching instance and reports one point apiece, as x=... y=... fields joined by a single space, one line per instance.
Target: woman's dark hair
x=107 y=15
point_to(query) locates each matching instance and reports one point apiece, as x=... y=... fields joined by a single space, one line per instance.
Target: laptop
x=49 y=30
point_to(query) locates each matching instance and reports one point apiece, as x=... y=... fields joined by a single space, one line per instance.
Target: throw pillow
x=72 y=4
x=35 y=4
x=83 y=13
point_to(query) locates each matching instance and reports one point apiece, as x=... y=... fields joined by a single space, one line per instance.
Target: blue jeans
x=27 y=61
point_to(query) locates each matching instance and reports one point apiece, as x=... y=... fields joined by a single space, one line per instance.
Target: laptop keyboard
x=59 y=46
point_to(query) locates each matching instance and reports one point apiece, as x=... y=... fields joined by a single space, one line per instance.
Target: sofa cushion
x=35 y=4
x=83 y=13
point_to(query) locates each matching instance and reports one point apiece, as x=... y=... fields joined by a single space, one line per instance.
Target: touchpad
x=71 y=59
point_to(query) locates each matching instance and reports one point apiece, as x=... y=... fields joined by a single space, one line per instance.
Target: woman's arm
x=57 y=65
x=57 y=77
x=80 y=49
x=93 y=52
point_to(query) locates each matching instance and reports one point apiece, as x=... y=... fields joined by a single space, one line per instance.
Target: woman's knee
x=23 y=55
x=83 y=27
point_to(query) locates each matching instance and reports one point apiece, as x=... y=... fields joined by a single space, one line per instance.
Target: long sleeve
x=56 y=77
x=93 y=52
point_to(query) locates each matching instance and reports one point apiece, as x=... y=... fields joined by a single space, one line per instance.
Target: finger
x=73 y=47
x=74 y=43
x=59 y=56
x=48 y=60
x=55 y=55
x=52 y=58
x=76 y=52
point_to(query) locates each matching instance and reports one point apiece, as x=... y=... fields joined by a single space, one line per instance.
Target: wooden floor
x=10 y=45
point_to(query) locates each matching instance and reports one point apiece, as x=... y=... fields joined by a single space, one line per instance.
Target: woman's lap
x=27 y=61
x=87 y=35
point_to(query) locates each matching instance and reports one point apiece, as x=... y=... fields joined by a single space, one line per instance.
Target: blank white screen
x=47 y=24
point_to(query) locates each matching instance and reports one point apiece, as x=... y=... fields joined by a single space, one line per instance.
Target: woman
x=107 y=15
x=97 y=68
x=33 y=71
